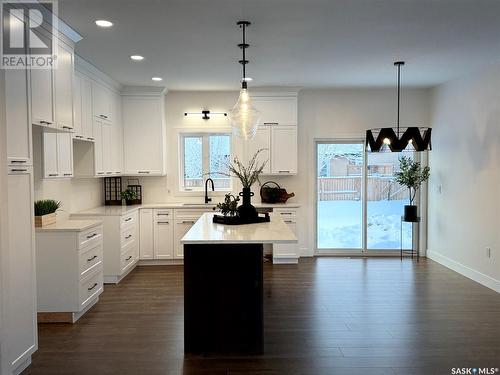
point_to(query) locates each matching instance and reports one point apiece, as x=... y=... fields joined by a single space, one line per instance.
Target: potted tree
x=45 y=212
x=411 y=175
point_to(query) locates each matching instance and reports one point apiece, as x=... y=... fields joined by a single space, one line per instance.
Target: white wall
x=333 y=114
x=464 y=217
x=75 y=194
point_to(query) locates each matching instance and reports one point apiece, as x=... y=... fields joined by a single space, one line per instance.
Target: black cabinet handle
x=128 y=219
x=91 y=258
x=91 y=236
x=18 y=161
x=92 y=287
x=20 y=170
x=129 y=257
x=163 y=222
x=45 y=122
x=127 y=237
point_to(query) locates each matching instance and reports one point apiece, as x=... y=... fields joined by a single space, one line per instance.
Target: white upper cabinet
x=64 y=73
x=19 y=148
x=284 y=150
x=106 y=139
x=262 y=140
x=42 y=97
x=57 y=155
x=144 y=135
x=77 y=107
x=117 y=138
x=102 y=102
x=87 y=114
x=98 y=154
x=277 y=110
x=277 y=134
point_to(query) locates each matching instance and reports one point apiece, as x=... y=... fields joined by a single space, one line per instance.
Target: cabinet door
x=144 y=136
x=262 y=140
x=106 y=148
x=98 y=154
x=101 y=102
x=64 y=87
x=42 y=97
x=117 y=138
x=20 y=297
x=284 y=150
x=65 y=154
x=146 y=241
x=17 y=117
x=77 y=107
x=277 y=110
x=163 y=239
x=87 y=115
x=50 y=167
x=181 y=228
x=291 y=250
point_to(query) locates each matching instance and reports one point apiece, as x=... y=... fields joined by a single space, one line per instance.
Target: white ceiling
x=309 y=43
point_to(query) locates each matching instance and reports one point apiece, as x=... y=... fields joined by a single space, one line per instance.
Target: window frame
x=205 y=163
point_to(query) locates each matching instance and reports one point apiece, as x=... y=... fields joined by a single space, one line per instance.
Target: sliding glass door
x=339 y=195
x=359 y=205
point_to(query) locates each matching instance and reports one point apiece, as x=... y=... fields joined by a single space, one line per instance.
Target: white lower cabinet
x=146 y=236
x=181 y=228
x=69 y=269
x=120 y=243
x=19 y=336
x=57 y=155
x=287 y=253
x=163 y=234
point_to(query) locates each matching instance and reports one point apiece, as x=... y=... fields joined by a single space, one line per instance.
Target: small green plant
x=46 y=206
x=411 y=175
x=128 y=194
x=249 y=174
x=229 y=206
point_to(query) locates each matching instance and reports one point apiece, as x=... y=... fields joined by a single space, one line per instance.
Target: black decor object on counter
x=112 y=191
x=410 y=214
x=137 y=189
x=246 y=211
x=237 y=220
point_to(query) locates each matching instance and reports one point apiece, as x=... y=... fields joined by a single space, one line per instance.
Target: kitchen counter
x=204 y=231
x=69 y=226
x=223 y=284
x=123 y=210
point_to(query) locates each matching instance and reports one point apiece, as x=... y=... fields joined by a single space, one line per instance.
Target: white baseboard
x=160 y=262
x=292 y=259
x=472 y=274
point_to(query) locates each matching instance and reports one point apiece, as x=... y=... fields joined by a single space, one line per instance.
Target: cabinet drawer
x=127 y=257
x=162 y=215
x=90 y=259
x=90 y=237
x=286 y=214
x=128 y=235
x=90 y=288
x=127 y=220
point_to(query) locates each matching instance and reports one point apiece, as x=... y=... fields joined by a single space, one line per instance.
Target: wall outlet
x=488 y=252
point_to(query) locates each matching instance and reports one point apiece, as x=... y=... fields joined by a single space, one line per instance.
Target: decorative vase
x=246 y=211
x=42 y=221
x=130 y=202
x=410 y=213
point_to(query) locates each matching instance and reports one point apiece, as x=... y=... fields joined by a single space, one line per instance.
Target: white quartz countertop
x=204 y=231
x=123 y=210
x=69 y=226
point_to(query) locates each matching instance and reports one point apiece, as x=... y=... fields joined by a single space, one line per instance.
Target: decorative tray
x=236 y=220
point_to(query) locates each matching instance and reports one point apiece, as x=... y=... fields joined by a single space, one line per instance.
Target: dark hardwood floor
x=325 y=316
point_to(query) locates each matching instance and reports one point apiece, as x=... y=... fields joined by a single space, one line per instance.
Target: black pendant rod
x=399 y=64
x=244 y=45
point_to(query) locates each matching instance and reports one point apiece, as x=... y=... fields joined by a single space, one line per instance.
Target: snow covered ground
x=340 y=225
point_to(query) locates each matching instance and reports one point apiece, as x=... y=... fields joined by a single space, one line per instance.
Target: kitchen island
x=223 y=284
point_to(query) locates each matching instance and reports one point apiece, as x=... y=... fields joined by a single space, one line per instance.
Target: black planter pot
x=410 y=213
x=246 y=211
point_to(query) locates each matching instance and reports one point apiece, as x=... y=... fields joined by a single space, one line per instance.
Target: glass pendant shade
x=244 y=116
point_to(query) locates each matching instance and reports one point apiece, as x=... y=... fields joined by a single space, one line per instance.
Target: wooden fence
x=349 y=188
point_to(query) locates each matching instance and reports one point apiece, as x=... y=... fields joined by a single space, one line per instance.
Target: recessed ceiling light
x=137 y=57
x=103 y=23
x=157 y=79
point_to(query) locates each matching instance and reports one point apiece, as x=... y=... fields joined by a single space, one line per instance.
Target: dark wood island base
x=223 y=299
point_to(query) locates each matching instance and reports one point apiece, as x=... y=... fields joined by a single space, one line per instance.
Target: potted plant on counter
x=129 y=196
x=247 y=175
x=411 y=175
x=45 y=212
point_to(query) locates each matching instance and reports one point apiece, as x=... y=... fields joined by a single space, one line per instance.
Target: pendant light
x=244 y=116
x=400 y=139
